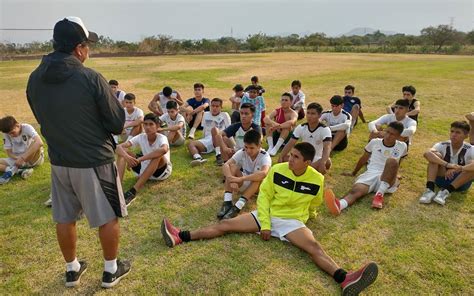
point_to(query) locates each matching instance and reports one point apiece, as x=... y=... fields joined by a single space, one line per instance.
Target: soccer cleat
x=191 y=136
x=5 y=178
x=109 y=280
x=226 y=206
x=440 y=198
x=73 y=278
x=332 y=202
x=232 y=213
x=129 y=197
x=26 y=173
x=170 y=234
x=219 y=160
x=427 y=196
x=357 y=281
x=377 y=202
x=198 y=161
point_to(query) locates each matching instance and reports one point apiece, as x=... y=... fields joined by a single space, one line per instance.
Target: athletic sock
x=128 y=139
x=339 y=275
x=133 y=190
x=270 y=143
x=241 y=202
x=450 y=188
x=110 y=265
x=278 y=144
x=192 y=131
x=218 y=150
x=227 y=196
x=197 y=156
x=73 y=265
x=185 y=235
x=383 y=187
x=343 y=204
x=430 y=185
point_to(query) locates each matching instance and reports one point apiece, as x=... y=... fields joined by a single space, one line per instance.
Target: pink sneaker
x=377 y=203
x=358 y=280
x=170 y=234
x=332 y=202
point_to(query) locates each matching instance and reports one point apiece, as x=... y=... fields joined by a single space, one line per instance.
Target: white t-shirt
x=316 y=137
x=298 y=99
x=141 y=141
x=221 y=121
x=463 y=156
x=20 y=144
x=169 y=122
x=408 y=124
x=380 y=153
x=137 y=113
x=249 y=166
x=337 y=123
x=120 y=95
x=164 y=100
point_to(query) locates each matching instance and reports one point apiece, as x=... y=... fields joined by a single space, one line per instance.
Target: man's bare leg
x=136 y=130
x=338 y=137
x=390 y=171
x=355 y=115
x=67 y=238
x=109 y=235
x=244 y=223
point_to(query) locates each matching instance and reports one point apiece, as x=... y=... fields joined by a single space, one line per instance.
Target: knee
x=356 y=107
x=214 y=131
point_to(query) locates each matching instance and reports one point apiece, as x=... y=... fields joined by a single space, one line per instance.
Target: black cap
x=69 y=32
x=336 y=100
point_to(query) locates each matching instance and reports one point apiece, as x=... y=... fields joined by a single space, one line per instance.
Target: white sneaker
x=26 y=173
x=427 y=196
x=49 y=202
x=440 y=198
x=198 y=161
x=191 y=136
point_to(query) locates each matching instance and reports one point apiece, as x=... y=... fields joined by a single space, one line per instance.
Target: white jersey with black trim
x=22 y=142
x=315 y=137
x=464 y=155
x=380 y=153
x=249 y=166
x=342 y=121
x=221 y=121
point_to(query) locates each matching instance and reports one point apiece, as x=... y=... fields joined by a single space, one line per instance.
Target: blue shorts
x=443 y=183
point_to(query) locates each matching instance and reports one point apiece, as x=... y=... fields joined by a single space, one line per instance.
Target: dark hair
x=217 y=100
x=198 y=85
x=461 y=125
x=113 y=82
x=171 y=105
x=349 y=87
x=296 y=83
x=336 y=100
x=252 y=137
x=285 y=94
x=152 y=117
x=129 y=97
x=398 y=126
x=254 y=79
x=248 y=106
x=238 y=87
x=403 y=103
x=306 y=149
x=7 y=124
x=409 y=88
x=167 y=91
x=252 y=87
x=316 y=107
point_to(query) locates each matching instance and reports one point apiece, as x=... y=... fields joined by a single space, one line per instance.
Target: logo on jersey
x=284 y=182
x=304 y=188
x=395 y=153
x=386 y=153
x=353 y=101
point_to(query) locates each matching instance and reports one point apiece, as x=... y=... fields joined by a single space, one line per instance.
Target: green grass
x=420 y=249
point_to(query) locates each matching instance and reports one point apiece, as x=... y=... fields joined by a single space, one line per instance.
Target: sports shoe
x=332 y=202
x=377 y=202
x=5 y=178
x=26 y=173
x=440 y=198
x=109 y=280
x=358 y=280
x=191 y=136
x=73 y=278
x=129 y=197
x=427 y=196
x=170 y=234
x=49 y=202
x=198 y=161
x=232 y=213
x=219 y=160
x=226 y=206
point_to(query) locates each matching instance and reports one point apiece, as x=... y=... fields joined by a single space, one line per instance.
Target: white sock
x=192 y=131
x=270 y=143
x=241 y=203
x=227 y=196
x=218 y=150
x=110 y=265
x=278 y=144
x=383 y=187
x=73 y=265
x=13 y=169
x=197 y=156
x=343 y=204
x=128 y=139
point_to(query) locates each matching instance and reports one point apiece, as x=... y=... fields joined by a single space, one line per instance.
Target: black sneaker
x=226 y=206
x=129 y=197
x=219 y=160
x=74 y=277
x=109 y=280
x=232 y=213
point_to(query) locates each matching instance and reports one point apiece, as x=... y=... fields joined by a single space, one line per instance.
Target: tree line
x=442 y=39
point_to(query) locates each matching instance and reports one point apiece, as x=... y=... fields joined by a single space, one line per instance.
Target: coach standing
x=78 y=113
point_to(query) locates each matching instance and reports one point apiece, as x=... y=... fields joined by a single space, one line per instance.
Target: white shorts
x=11 y=162
x=244 y=186
x=372 y=179
x=207 y=142
x=281 y=227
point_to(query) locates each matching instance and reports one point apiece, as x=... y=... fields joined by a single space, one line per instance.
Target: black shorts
x=156 y=174
x=342 y=145
x=191 y=123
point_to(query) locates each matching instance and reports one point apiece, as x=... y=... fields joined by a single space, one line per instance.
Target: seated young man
x=158 y=104
x=400 y=115
x=445 y=165
x=352 y=105
x=24 y=149
x=315 y=133
x=235 y=100
x=288 y=196
x=119 y=94
x=470 y=118
x=382 y=157
x=254 y=84
x=243 y=173
x=413 y=104
x=339 y=122
x=253 y=98
x=298 y=99
x=194 y=108
x=175 y=129
x=231 y=139
x=279 y=124
x=133 y=118
x=214 y=118
x=152 y=163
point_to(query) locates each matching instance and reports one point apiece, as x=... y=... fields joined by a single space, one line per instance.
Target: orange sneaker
x=377 y=203
x=332 y=202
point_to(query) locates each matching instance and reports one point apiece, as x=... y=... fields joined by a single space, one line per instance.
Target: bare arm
x=389 y=108
x=154 y=107
x=416 y=110
x=173 y=128
x=178 y=99
x=291 y=122
x=257 y=176
x=136 y=122
x=287 y=149
x=362 y=162
x=37 y=144
x=155 y=154
x=200 y=108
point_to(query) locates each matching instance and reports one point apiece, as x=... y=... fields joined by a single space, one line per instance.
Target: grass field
x=420 y=249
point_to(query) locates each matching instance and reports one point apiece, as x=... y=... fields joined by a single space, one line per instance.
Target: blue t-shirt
x=195 y=103
x=349 y=102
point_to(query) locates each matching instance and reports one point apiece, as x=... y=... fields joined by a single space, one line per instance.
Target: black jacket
x=77 y=111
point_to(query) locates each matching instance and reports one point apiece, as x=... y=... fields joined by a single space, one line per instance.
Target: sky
x=192 y=19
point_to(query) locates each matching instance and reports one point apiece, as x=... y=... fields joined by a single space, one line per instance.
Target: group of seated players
x=290 y=190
